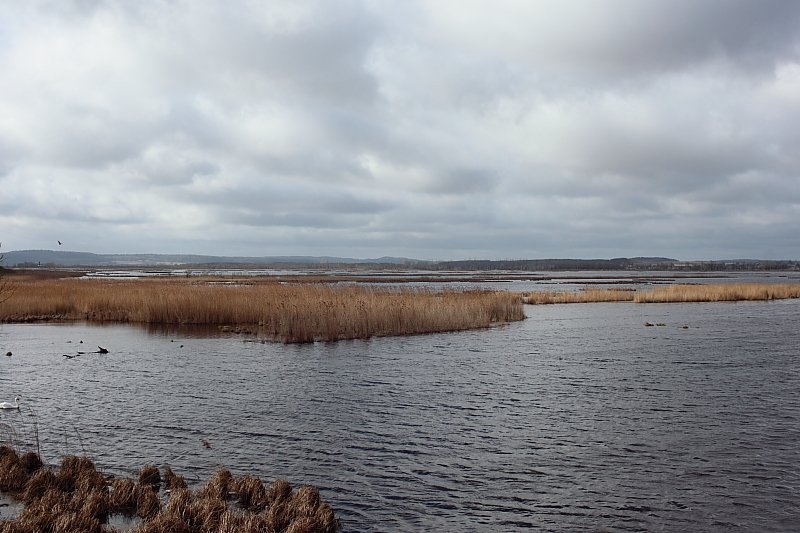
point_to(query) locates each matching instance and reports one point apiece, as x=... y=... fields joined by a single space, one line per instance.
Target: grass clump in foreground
x=672 y=293
x=285 y=312
x=76 y=498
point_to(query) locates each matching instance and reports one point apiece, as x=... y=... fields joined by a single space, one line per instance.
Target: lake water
x=579 y=418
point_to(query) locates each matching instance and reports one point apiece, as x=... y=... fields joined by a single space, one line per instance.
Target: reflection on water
x=200 y=331
x=577 y=419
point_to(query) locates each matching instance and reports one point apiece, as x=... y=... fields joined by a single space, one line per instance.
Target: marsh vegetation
x=672 y=293
x=77 y=498
x=284 y=312
x=719 y=292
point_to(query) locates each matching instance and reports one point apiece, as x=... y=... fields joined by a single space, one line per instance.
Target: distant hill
x=58 y=258
x=620 y=263
x=31 y=258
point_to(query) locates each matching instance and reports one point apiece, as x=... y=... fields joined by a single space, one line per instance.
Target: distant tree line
x=39 y=265
x=637 y=263
x=532 y=265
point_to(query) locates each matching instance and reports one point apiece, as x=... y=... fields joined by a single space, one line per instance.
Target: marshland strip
x=732 y=292
x=306 y=309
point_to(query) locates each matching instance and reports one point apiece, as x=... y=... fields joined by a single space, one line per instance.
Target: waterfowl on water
x=6 y=405
x=101 y=350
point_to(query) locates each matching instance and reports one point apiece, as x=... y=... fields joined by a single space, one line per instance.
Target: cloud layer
x=430 y=129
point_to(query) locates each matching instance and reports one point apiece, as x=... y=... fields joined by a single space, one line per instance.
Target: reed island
x=286 y=312
x=717 y=292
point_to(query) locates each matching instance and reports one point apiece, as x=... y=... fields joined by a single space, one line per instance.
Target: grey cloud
x=466 y=181
x=435 y=129
x=755 y=189
x=327 y=62
x=263 y=200
x=620 y=38
x=174 y=168
x=295 y=220
x=320 y=56
x=673 y=35
x=233 y=65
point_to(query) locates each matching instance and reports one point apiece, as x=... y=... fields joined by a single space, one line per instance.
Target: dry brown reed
x=122 y=499
x=71 y=523
x=164 y=523
x=279 y=491
x=306 y=500
x=147 y=502
x=278 y=516
x=13 y=474
x=31 y=462
x=79 y=473
x=203 y=515
x=94 y=503
x=149 y=475
x=179 y=500
x=250 y=493
x=287 y=312
x=582 y=296
x=172 y=480
x=40 y=514
x=7 y=451
x=299 y=512
x=41 y=482
x=231 y=522
x=287 y=512
x=672 y=293
x=76 y=498
x=217 y=486
x=720 y=292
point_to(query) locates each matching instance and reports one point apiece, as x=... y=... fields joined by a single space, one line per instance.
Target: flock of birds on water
x=100 y=349
x=15 y=405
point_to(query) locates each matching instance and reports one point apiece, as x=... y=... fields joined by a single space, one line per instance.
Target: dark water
x=578 y=419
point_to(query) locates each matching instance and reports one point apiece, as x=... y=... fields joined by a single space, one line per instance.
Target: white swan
x=6 y=405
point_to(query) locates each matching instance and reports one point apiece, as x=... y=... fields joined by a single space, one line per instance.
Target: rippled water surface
x=580 y=418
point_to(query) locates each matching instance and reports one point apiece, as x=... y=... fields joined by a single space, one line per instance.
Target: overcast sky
x=431 y=129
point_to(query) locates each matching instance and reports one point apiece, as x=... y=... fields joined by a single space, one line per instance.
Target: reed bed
x=672 y=293
x=720 y=292
x=78 y=499
x=285 y=312
x=582 y=296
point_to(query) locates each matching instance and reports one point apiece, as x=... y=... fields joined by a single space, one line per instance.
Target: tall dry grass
x=287 y=312
x=672 y=293
x=77 y=499
x=582 y=296
x=720 y=292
